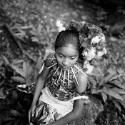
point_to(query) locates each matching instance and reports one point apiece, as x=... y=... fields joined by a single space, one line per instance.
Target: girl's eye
x=72 y=58
x=60 y=55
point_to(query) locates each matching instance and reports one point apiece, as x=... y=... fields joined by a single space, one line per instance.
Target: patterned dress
x=56 y=99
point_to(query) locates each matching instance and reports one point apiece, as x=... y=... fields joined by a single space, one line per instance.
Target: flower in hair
x=101 y=53
x=97 y=39
x=89 y=54
x=60 y=25
x=92 y=41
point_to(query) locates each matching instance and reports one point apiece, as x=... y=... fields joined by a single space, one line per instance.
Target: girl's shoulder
x=79 y=68
x=50 y=60
x=79 y=71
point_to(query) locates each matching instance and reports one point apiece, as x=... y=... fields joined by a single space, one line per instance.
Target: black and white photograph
x=62 y=62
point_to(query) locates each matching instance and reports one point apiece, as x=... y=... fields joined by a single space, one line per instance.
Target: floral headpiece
x=92 y=41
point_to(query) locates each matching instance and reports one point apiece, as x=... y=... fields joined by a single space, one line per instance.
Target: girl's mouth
x=65 y=68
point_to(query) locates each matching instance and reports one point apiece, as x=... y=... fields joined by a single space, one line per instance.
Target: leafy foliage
x=108 y=81
x=111 y=116
x=14 y=105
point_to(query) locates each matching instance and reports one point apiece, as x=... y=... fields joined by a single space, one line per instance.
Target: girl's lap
x=88 y=116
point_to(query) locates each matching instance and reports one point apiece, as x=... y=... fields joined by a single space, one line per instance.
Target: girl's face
x=67 y=56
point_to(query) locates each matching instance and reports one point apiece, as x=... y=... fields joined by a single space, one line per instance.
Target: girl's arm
x=40 y=84
x=78 y=104
x=41 y=79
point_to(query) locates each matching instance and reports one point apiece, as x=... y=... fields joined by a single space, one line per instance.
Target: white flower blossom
x=101 y=53
x=60 y=25
x=90 y=54
x=97 y=39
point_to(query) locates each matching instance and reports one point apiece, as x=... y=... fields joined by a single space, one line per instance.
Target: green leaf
x=122 y=103
x=18 y=70
x=121 y=71
x=112 y=94
x=117 y=84
x=117 y=105
x=111 y=71
x=96 y=91
x=29 y=70
x=109 y=77
x=17 y=61
x=120 y=91
x=104 y=96
x=25 y=68
x=6 y=61
x=18 y=79
x=107 y=85
x=15 y=112
x=102 y=81
x=116 y=76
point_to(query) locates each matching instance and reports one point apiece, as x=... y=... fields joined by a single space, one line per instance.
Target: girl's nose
x=65 y=62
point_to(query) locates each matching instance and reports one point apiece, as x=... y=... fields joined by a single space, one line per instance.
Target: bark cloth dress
x=56 y=98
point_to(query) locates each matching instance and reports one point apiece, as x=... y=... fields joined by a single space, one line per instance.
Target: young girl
x=58 y=96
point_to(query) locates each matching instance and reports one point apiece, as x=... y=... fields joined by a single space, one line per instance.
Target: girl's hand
x=31 y=112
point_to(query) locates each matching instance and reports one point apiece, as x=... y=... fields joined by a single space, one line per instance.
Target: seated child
x=59 y=95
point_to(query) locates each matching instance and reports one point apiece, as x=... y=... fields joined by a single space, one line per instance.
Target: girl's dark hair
x=67 y=37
